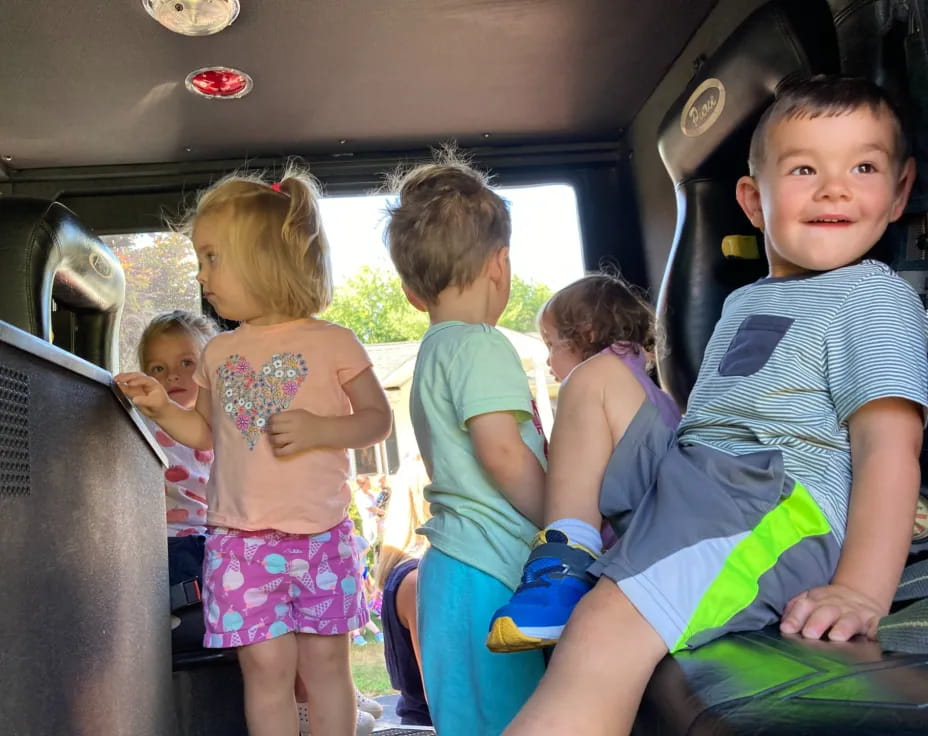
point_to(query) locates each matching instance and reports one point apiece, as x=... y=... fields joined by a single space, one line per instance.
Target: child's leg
x=596 y=406
x=469 y=689
x=327 y=612
x=268 y=670
x=325 y=670
x=599 y=670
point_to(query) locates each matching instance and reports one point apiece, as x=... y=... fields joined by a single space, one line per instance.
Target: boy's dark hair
x=445 y=226
x=826 y=95
x=596 y=311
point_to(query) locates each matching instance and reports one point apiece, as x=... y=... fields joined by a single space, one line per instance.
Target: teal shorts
x=471 y=691
x=708 y=542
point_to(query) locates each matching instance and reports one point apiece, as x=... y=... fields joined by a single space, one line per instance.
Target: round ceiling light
x=219 y=83
x=193 y=17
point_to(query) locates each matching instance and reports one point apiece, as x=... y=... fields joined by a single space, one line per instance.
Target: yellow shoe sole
x=505 y=637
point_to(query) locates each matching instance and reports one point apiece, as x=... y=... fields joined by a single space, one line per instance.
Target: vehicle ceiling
x=87 y=82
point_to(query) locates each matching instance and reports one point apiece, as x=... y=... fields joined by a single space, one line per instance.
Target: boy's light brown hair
x=826 y=95
x=598 y=310
x=445 y=225
x=274 y=237
x=198 y=328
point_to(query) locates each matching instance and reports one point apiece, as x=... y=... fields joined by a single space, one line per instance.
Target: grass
x=368 y=668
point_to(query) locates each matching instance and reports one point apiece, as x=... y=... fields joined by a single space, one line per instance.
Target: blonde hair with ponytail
x=274 y=237
x=406 y=512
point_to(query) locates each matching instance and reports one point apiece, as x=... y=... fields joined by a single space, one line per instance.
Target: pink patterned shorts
x=258 y=585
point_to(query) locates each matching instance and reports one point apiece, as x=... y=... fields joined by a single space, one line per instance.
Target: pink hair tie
x=276 y=186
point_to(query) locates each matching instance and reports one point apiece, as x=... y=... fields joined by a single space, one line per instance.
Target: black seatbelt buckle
x=185 y=594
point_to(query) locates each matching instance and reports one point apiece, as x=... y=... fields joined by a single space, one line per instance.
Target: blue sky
x=545 y=234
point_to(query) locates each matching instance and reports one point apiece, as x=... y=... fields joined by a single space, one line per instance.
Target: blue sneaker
x=553 y=581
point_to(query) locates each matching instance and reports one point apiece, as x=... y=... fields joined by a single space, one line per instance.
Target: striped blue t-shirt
x=791 y=359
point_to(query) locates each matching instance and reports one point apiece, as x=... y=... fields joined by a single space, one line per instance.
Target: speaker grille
x=14 y=433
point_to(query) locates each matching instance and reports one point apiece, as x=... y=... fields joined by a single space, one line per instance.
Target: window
x=545 y=254
x=161 y=271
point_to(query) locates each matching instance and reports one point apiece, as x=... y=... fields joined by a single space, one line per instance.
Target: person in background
x=396 y=575
x=169 y=351
x=365 y=500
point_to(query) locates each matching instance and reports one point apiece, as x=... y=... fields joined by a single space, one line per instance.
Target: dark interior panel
x=85 y=635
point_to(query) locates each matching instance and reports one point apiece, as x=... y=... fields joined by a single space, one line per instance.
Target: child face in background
x=171 y=359
x=826 y=190
x=562 y=356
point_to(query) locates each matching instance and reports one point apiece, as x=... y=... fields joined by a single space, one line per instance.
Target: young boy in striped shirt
x=789 y=490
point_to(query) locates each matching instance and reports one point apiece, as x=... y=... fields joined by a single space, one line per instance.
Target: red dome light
x=219 y=83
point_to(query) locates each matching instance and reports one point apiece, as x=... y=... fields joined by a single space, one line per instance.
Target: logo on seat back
x=101 y=265
x=703 y=108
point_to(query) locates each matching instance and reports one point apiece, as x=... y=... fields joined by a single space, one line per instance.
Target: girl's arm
x=188 y=426
x=509 y=462
x=886 y=437
x=406 y=612
x=296 y=430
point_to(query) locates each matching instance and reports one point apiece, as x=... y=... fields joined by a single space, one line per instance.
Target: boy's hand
x=295 y=430
x=144 y=392
x=837 y=610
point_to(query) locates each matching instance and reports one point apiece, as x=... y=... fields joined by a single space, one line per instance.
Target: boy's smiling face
x=826 y=189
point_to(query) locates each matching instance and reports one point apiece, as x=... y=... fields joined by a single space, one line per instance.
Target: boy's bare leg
x=595 y=406
x=599 y=671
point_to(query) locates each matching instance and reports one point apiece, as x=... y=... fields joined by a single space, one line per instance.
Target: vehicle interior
x=644 y=108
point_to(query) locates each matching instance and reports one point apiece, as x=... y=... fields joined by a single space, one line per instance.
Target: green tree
x=526 y=298
x=373 y=305
x=161 y=271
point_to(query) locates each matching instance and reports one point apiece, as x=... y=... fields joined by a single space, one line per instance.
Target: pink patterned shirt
x=184 y=484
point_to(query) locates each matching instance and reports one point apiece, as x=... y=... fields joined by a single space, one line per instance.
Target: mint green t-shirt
x=464 y=370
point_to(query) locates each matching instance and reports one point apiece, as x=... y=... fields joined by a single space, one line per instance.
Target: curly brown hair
x=598 y=310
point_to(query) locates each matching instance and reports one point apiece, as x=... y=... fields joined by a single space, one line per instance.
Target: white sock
x=579 y=532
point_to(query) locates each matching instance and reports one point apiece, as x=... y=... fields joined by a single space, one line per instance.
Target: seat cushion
x=765 y=683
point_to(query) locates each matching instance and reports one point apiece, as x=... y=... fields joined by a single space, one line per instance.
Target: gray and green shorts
x=708 y=542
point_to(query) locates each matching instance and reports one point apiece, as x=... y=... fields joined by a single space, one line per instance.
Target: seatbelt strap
x=907 y=630
x=185 y=594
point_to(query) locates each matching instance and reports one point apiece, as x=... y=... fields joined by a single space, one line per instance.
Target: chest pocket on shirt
x=753 y=344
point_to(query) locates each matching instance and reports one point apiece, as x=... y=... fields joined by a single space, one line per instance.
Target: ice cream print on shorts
x=250 y=397
x=266 y=584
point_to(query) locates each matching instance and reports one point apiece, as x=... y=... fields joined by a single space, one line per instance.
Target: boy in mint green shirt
x=480 y=439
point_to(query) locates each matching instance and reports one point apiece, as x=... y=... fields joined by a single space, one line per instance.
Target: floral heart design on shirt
x=249 y=398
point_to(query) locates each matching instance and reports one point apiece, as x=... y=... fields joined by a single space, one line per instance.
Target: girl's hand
x=144 y=392
x=835 y=609
x=296 y=430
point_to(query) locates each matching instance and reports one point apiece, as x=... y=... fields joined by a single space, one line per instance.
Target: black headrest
x=703 y=140
x=732 y=88
x=46 y=253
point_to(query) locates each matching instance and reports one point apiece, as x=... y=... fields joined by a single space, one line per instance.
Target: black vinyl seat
x=49 y=256
x=764 y=683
